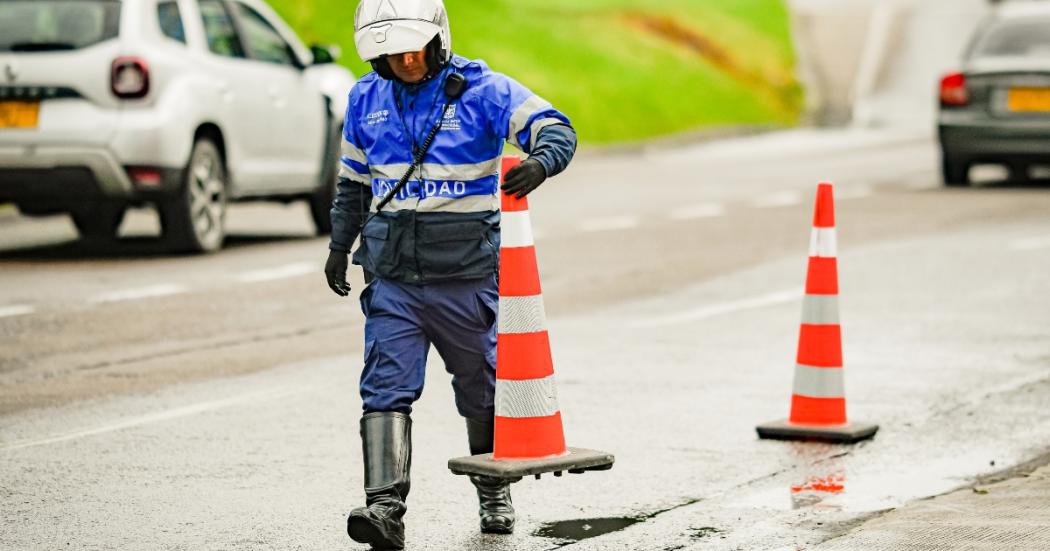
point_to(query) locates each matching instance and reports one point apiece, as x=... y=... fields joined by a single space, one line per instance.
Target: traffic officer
x=429 y=237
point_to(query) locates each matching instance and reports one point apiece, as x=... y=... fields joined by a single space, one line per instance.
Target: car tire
x=321 y=200
x=956 y=173
x=99 y=221
x=194 y=220
x=1020 y=173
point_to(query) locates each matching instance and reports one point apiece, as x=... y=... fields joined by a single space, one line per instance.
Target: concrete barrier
x=876 y=63
x=829 y=38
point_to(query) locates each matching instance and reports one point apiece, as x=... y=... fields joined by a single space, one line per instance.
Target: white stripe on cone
x=516 y=230
x=527 y=398
x=522 y=315
x=820 y=310
x=823 y=243
x=819 y=382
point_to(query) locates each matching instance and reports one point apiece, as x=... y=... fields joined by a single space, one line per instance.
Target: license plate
x=1029 y=100
x=19 y=114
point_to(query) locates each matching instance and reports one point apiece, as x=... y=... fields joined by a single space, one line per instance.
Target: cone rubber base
x=844 y=434
x=577 y=461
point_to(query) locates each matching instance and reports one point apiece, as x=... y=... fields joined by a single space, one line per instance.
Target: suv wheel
x=1020 y=173
x=321 y=200
x=956 y=173
x=99 y=221
x=194 y=220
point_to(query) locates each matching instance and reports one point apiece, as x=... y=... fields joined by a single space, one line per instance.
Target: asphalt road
x=158 y=402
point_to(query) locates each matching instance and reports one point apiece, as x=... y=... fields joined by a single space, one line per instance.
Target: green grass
x=617 y=79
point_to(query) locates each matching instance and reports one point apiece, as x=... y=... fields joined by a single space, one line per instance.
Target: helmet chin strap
x=431 y=74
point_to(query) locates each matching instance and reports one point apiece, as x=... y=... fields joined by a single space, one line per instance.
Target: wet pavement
x=231 y=423
x=1009 y=514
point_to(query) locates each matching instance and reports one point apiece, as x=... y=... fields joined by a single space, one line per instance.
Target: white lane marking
x=279 y=272
x=16 y=310
x=1031 y=244
x=714 y=310
x=778 y=199
x=154 y=418
x=702 y=210
x=609 y=224
x=153 y=291
x=856 y=192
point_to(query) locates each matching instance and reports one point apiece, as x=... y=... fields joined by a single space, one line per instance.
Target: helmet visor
x=394 y=37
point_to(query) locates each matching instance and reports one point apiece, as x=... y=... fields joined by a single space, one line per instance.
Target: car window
x=264 y=42
x=171 y=21
x=44 y=25
x=1030 y=37
x=219 y=30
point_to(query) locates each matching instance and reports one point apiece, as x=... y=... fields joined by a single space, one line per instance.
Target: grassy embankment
x=623 y=70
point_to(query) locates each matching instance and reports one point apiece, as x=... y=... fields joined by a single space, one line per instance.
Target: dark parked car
x=997 y=109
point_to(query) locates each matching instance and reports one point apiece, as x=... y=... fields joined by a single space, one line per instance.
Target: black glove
x=335 y=271
x=524 y=178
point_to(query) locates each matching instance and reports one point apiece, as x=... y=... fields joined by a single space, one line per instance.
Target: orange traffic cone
x=529 y=439
x=818 y=401
x=528 y=422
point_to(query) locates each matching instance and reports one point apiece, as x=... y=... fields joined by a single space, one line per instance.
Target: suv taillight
x=129 y=78
x=953 y=90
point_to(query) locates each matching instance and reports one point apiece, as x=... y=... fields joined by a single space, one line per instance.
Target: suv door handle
x=277 y=97
x=225 y=92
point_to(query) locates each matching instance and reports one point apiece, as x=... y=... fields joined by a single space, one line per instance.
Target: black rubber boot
x=386 y=439
x=496 y=509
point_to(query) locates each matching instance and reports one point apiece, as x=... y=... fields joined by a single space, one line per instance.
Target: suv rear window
x=219 y=29
x=1029 y=38
x=46 y=25
x=170 y=21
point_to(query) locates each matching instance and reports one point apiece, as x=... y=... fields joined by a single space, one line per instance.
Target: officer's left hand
x=524 y=178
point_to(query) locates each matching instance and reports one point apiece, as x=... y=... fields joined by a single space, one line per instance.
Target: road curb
x=1009 y=512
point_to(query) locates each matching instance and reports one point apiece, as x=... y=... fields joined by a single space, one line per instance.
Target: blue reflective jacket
x=445 y=223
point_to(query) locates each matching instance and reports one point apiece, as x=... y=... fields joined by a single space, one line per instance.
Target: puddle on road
x=569 y=531
x=704 y=532
x=817 y=491
x=822 y=479
x=576 y=530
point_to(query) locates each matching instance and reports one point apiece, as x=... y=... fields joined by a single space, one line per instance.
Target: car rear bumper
x=57 y=177
x=92 y=171
x=994 y=141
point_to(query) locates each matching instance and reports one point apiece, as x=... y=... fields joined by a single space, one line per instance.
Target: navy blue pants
x=402 y=321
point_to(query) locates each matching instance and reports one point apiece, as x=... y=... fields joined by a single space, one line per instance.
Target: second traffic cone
x=529 y=438
x=818 y=400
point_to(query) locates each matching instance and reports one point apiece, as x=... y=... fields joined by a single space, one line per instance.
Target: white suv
x=182 y=104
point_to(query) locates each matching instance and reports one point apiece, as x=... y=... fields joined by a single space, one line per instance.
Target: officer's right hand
x=335 y=271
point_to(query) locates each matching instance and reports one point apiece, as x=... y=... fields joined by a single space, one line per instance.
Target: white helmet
x=388 y=27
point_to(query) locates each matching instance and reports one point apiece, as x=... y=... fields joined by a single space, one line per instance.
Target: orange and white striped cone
x=818 y=401
x=529 y=438
x=528 y=421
